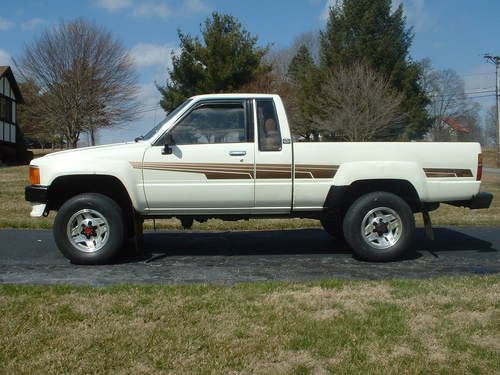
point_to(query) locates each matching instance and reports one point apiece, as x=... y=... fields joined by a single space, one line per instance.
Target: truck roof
x=233 y=96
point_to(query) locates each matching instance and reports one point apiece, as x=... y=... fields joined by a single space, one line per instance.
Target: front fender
x=70 y=164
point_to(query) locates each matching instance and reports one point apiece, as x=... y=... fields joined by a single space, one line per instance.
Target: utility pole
x=496 y=60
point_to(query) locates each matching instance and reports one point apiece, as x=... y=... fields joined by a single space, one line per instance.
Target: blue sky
x=453 y=33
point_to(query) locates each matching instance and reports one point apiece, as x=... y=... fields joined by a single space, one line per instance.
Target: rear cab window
x=268 y=126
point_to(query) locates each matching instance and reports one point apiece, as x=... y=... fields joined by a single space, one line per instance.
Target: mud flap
x=429 y=233
x=138 y=234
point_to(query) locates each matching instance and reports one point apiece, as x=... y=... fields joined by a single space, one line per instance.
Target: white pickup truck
x=231 y=156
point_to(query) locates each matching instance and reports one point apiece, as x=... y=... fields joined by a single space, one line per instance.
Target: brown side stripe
x=269 y=171
x=444 y=172
x=243 y=171
x=211 y=171
x=215 y=171
x=315 y=171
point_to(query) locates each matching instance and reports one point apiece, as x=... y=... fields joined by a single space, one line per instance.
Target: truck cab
x=240 y=148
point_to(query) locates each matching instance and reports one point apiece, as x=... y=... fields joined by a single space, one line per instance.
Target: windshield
x=170 y=115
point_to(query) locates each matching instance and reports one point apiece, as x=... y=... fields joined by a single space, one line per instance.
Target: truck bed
x=438 y=171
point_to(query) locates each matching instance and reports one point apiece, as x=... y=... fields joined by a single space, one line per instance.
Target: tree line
x=354 y=80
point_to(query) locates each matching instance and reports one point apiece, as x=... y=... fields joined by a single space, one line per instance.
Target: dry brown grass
x=393 y=327
x=490 y=157
x=14 y=210
x=38 y=152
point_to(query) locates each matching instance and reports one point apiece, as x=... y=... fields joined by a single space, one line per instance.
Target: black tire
x=367 y=249
x=332 y=224
x=108 y=209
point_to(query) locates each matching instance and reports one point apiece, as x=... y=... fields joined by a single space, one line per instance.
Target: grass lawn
x=14 y=210
x=438 y=326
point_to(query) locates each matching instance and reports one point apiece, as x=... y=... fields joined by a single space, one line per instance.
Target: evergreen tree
x=226 y=59
x=301 y=65
x=365 y=31
x=303 y=74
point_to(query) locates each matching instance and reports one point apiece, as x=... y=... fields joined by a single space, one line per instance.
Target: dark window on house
x=5 y=109
x=268 y=126
x=213 y=123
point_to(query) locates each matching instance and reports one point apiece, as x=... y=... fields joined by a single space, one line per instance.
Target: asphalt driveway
x=31 y=256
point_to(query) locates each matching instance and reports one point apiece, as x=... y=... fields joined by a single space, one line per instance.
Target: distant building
x=10 y=97
x=447 y=129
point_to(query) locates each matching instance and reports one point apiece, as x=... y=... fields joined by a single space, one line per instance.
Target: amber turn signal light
x=34 y=175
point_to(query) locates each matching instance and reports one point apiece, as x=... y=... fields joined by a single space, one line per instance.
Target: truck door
x=212 y=161
x=273 y=158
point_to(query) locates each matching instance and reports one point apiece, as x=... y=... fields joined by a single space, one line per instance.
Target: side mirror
x=169 y=142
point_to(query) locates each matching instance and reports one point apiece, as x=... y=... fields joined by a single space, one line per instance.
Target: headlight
x=34 y=175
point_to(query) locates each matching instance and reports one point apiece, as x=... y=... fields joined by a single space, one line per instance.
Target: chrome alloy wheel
x=381 y=228
x=88 y=230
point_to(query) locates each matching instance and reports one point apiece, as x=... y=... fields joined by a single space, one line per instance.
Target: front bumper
x=36 y=193
x=38 y=196
x=479 y=201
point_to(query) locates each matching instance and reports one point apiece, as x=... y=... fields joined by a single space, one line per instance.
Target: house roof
x=7 y=72
x=457 y=126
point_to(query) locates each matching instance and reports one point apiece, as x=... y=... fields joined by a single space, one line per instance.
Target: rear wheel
x=379 y=226
x=89 y=229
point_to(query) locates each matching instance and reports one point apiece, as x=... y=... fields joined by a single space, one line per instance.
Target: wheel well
x=340 y=198
x=65 y=187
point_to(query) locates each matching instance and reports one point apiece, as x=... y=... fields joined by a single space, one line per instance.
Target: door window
x=213 y=123
x=269 y=129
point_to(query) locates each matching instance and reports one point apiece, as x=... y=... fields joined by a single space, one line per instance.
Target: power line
x=475 y=74
x=484 y=96
x=147 y=109
x=433 y=94
x=444 y=95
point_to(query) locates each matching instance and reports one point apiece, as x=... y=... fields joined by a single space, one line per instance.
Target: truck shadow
x=158 y=245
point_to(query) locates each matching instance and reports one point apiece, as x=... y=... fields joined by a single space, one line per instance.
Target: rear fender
x=348 y=173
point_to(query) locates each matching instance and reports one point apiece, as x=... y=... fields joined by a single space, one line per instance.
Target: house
x=456 y=129
x=447 y=129
x=11 y=147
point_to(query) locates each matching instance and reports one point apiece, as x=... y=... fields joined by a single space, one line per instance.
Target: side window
x=213 y=123
x=268 y=126
x=5 y=109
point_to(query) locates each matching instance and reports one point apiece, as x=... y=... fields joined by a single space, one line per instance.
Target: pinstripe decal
x=446 y=172
x=218 y=171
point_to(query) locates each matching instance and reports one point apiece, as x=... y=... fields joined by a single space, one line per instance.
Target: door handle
x=237 y=153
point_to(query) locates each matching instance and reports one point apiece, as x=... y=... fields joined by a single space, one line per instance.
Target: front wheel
x=89 y=229
x=379 y=226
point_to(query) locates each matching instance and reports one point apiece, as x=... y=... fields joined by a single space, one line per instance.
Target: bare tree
x=86 y=78
x=490 y=128
x=280 y=58
x=28 y=115
x=446 y=89
x=471 y=120
x=309 y=39
x=357 y=104
x=277 y=83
